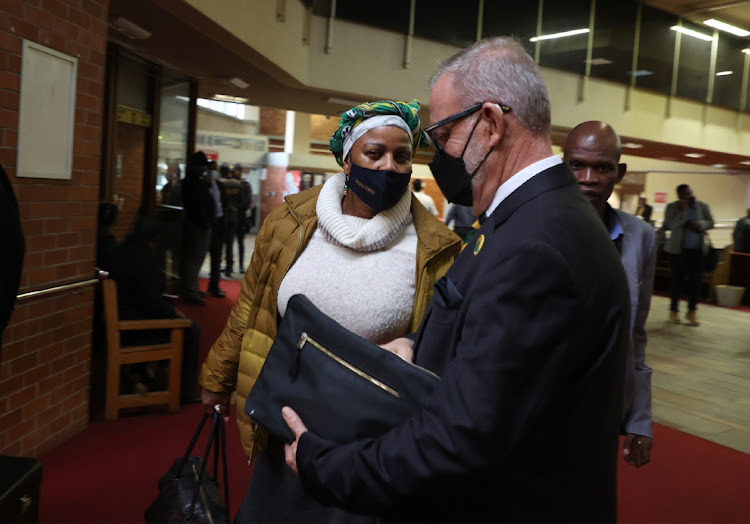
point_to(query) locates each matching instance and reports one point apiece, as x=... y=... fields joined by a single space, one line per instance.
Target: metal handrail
x=65 y=287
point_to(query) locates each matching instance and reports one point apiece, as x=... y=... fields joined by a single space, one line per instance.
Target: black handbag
x=187 y=492
x=341 y=385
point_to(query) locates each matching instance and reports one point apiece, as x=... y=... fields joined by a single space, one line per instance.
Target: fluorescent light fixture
x=745 y=162
x=559 y=35
x=229 y=98
x=343 y=102
x=724 y=73
x=726 y=27
x=694 y=155
x=640 y=72
x=746 y=50
x=632 y=145
x=690 y=32
x=129 y=29
x=599 y=61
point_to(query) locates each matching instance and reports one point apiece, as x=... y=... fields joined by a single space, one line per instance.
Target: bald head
x=597 y=135
x=593 y=151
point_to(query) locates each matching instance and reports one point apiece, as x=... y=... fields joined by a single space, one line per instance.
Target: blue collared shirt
x=614 y=226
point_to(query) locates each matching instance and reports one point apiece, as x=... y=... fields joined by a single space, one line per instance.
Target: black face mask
x=451 y=175
x=379 y=189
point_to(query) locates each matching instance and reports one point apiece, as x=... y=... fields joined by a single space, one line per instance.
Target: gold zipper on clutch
x=372 y=380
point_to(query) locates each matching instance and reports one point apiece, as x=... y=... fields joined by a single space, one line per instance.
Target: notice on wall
x=47 y=111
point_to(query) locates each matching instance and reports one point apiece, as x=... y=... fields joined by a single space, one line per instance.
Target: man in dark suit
x=644 y=210
x=527 y=330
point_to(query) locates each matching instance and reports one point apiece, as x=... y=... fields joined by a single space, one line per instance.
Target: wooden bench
x=117 y=356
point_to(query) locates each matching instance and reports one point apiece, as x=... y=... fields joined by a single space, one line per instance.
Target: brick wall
x=46 y=356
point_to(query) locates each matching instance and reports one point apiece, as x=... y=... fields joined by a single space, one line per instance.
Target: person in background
x=462 y=218
x=593 y=151
x=105 y=240
x=527 y=330
x=362 y=226
x=232 y=203
x=200 y=212
x=217 y=231
x=171 y=193
x=12 y=253
x=424 y=198
x=243 y=215
x=741 y=235
x=644 y=210
x=688 y=219
x=136 y=270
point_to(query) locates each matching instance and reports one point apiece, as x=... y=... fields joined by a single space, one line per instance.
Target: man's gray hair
x=500 y=70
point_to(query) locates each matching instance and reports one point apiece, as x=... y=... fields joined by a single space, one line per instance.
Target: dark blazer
x=528 y=332
x=12 y=252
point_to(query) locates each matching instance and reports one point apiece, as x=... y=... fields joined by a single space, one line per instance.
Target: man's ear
x=494 y=116
x=621 y=169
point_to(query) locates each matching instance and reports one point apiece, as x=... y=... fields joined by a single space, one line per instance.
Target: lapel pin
x=479 y=244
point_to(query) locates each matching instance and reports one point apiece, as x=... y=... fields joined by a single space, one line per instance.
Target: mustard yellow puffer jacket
x=237 y=356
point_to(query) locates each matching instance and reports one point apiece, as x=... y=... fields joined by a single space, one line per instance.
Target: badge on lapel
x=479 y=244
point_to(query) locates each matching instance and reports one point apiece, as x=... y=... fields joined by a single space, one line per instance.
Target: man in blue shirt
x=593 y=151
x=688 y=219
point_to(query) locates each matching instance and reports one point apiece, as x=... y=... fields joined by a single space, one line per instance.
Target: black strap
x=217 y=436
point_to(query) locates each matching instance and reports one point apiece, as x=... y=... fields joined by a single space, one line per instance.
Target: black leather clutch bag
x=342 y=386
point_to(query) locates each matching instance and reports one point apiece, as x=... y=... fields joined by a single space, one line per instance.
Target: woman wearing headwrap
x=363 y=249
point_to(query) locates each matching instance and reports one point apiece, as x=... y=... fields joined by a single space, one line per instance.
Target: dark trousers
x=217 y=243
x=230 y=229
x=241 y=248
x=195 y=243
x=689 y=262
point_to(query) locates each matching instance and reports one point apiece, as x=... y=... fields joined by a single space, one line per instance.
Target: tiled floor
x=701 y=378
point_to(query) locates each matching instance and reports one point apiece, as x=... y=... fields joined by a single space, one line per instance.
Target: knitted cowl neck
x=359 y=234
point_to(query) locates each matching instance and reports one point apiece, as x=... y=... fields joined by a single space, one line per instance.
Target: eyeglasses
x=466 y=112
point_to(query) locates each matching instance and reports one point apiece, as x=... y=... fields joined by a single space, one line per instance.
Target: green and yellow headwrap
x=399 y=114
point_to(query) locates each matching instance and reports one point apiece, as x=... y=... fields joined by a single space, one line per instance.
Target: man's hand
x=637 y=449
x=403 y=347
x=694 y=226
x=295 y=424
x=210 y=398
x=683 y=204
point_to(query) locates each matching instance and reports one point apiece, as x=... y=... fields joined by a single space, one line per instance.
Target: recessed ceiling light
x=238 y=82
x=598 y=61
x=229 y=98
x=724 y=73
x=559 y=35
x=695 y=155
x=641 y=72
x=632 y=145
x=745 y=162
x=726 y=27
x=690 y=32
x=718 y=165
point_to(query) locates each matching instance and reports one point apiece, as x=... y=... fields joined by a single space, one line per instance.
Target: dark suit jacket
x=12 y=251
x=646 y=214
x=528 y=332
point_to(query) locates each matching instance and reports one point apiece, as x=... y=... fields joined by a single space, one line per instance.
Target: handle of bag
x=220 y=444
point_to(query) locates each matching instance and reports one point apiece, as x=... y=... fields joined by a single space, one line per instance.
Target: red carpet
x=109 y=472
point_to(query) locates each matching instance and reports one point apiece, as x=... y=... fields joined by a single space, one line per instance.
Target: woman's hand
x=210 y=398
x=403 y=347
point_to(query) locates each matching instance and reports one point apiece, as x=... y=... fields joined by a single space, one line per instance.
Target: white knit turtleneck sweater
x=358 y=271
